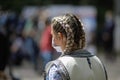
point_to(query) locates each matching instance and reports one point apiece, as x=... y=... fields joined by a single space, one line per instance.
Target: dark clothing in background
x=109 y=35
x=4 y=51
x=108 y=40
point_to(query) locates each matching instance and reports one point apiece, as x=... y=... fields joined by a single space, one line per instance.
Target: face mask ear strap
x=57 y=48
x=53 y=43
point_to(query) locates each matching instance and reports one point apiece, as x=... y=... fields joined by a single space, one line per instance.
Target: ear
x=60 y=35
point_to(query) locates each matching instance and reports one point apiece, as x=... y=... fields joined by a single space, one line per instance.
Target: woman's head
x=67 y=32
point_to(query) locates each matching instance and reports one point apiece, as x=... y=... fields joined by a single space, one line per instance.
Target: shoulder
x=54 y=73
x=52 y=64
x=67 y=60
x=57 y=70
x=95 y=59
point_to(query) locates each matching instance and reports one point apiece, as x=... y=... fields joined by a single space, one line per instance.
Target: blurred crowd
x=30 y=39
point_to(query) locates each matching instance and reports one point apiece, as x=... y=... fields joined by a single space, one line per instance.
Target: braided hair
x=70 y=26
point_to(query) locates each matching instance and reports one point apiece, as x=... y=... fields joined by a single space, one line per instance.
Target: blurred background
x=25 y=34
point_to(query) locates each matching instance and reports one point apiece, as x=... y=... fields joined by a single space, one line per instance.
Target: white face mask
x=57 y=48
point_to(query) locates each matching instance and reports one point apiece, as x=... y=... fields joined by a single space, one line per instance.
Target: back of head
x=70 y=26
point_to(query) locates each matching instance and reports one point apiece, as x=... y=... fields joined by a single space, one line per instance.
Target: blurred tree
x=102 y=6
x=18 y=4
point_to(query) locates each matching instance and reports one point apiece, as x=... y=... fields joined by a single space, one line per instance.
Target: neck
x=63 y=48
x=63 y=44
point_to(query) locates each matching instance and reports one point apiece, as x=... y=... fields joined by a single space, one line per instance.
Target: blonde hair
x=70 y=26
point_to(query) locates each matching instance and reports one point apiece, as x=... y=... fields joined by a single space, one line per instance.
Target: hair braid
x=82 y=37
x=69 y=34
x=70 y=40
x=81 y=32
x=56 y=25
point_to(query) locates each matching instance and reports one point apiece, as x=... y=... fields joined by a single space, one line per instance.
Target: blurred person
x=24 y=47
x=4 y=46
x=16 y=49
x=4 y=50
x=108 y=36
x=5 y=55
x=30 y=48
x=20 y=24
x=3 y=18
x=29 y=24
x=45 y=43
x=9 y=28
x=75 y=63
x=12 y=21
